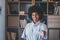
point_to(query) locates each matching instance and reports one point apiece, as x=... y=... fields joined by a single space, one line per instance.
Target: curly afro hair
x=35 y=9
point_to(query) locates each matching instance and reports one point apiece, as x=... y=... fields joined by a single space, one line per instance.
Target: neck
x=35 y=22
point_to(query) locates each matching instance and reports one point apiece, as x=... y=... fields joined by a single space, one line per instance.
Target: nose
x=35 y=16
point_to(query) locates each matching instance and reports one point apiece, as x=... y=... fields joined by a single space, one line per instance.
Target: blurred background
x=14 y=17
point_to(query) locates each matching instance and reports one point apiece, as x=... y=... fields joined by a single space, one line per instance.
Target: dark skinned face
x=35 y=17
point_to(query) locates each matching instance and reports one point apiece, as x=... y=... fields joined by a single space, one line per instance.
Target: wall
x=2 y=20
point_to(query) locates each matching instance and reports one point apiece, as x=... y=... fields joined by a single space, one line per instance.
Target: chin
x=35 y=21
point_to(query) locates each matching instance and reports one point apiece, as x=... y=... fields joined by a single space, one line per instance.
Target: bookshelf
x=12 y=19
x=53 y=0
x=17 y=9
x=13 y=8
x=53 y=18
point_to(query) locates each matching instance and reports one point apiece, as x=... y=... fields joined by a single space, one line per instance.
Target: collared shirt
x=32 y=31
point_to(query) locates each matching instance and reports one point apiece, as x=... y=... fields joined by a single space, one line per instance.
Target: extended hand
x=43 y=33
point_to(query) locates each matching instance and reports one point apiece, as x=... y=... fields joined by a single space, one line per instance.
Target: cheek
x=37 y=17
x=33 y=16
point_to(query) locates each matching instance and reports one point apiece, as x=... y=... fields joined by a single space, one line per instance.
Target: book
x=9 y=0
x=23 y=23
x=16 y=0
x=44 y=0
x=21 y=12
x=51 y=0
x=13 y=36
x=8 y=36
x=58 y=10
x=13 y=8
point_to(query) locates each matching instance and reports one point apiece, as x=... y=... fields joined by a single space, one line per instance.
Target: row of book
x=13 y=0
x=11 y=36
x=13 y=8
x=34 y=0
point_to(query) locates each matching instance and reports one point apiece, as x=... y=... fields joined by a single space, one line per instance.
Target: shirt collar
x=37 y=23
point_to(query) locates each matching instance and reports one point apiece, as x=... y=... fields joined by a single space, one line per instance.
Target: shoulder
x=28 y=25
x=43 y=26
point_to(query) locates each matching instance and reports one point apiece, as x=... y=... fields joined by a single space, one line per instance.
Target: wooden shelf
x=25 y=2
x=13 y=2
x=53 y=15
x=30 y=0
x=51 y=1
x=13 y=15
x=12 y=27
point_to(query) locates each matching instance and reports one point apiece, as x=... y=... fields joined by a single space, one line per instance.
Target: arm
x=43 y=32
x=24 y=34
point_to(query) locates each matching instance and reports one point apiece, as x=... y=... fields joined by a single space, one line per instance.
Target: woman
x=35 y=30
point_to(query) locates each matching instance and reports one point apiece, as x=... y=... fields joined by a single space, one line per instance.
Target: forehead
x=34 y=12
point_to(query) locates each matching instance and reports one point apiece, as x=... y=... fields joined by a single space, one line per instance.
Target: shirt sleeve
x=44 y=28
x=24 y=34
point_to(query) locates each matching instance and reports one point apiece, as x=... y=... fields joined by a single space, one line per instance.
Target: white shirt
x=32 y=31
